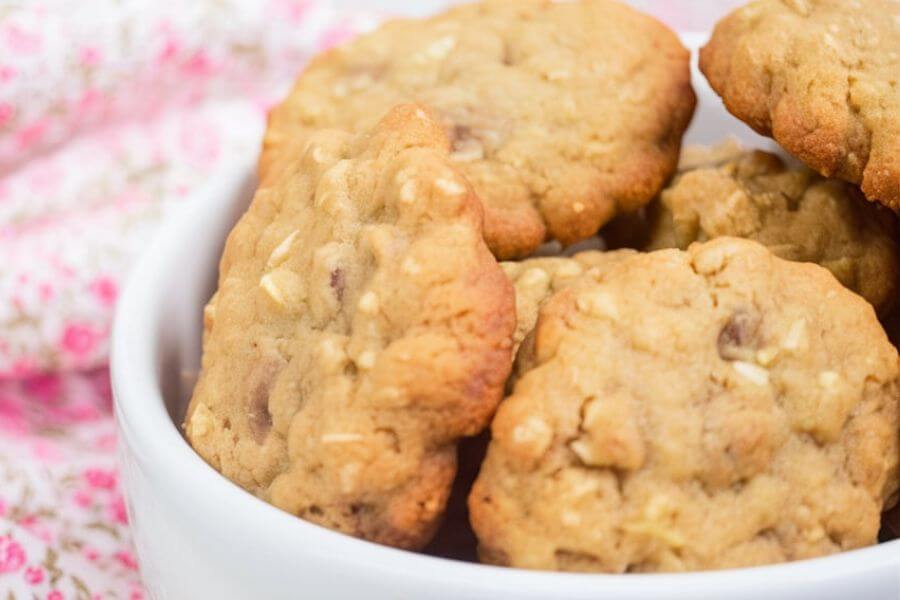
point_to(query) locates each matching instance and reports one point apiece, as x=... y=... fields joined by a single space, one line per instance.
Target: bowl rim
x=177 y=472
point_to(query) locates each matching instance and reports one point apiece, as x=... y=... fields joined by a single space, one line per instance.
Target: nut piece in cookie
x=559 y=114
x=821 y=77
x=685 y=410
x=360 y=328
x=797 y=214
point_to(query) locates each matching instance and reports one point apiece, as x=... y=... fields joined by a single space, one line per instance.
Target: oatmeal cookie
x=360 y=328
x=797 y=214
x=630 y=230
x=536 y=279
x=559 y=114
x=821 y=77
x=684 y=410
x=696 y=156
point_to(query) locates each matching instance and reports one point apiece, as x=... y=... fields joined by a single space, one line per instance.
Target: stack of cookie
x=720 y=393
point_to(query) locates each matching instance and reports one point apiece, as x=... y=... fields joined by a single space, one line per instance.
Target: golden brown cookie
x=797 y=214
x=630 y=230
x=360 y=328
x=536 y=279
x=560 y=114
x=821 y=77
x=696 y=156
x=685 y=410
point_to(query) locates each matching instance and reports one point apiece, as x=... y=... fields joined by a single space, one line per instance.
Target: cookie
x=821 y=77
x=696 y=156
x=560 y=114
x=360 y=328
x=536 y=279
x=630 y=230
x=797 y=214
x=685 y=410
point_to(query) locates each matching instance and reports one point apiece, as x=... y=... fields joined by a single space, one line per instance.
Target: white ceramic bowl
x=199 y=536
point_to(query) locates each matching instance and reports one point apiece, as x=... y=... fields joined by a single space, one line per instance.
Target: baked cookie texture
x=355 y=271
x=797 y=214
x=631 y=230
x=821 y=77
x=559 y=114
x=536 y=279
x=695 y=156
x=689 y=410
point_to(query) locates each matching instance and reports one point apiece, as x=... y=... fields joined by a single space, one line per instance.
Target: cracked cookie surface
x=355 y=272
x=560 y=114
x=794 y=212
x=823 y=78
x=685 y=410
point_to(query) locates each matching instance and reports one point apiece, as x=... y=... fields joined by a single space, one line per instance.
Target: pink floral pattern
x=109 y=117
x=62 y=516
x=112 y=115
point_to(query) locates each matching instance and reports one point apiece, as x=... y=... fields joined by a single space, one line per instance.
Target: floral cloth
x=109 y=117
x=63 y=527
x=111 y=114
